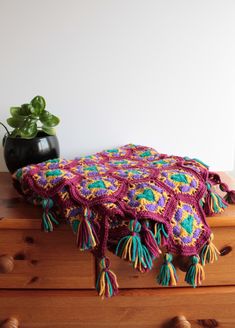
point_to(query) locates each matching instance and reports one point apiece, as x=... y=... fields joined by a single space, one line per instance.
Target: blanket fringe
x=230 y=197
x=209 y=252
x=48 y=216
x=213 y=203
x=106 y=285
x=230 y=194
x=130 y=248
x=195 y=274
x=86 y=235
x=150 y=240
x=167 y=275
x=160 y=233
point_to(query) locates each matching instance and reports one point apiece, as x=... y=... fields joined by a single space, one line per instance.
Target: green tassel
x=130 y=248
x=160 y=233
x=209 y=252
x=106 y=285
x=195 y=273
x=48 y=217
x=167 y=275
x=212 y=202
x=218 y=204
x=147 y=257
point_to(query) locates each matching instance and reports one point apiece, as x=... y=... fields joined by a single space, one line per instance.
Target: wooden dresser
x=45 y=281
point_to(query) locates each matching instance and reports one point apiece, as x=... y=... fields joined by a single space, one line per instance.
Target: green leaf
x=15 y=122
x=50 y=131
x=35 y=111
x=15 y=111
x=25 y=109
x=48 y=119
x=38 y=104
x=29 y=130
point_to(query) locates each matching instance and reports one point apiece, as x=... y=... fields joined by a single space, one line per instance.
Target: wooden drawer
x=45 y=260
x=218 y=273
x=145 y=309
x=51 y=260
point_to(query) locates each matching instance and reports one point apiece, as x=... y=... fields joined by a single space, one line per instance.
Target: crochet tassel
x=147 y=258
x=167 y=275
x=48 y=217
x=209 y=252
x=150 y=241
x=106 y=285
x=195 y=274
x=86 y=236
x=160 y=234
x=213 y=203
x=230 y=194
x=230 y=197
x=130 y=248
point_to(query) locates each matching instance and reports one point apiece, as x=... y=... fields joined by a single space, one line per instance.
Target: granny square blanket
x=135 y=202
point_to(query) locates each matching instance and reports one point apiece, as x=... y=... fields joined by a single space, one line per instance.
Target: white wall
x=159 y=73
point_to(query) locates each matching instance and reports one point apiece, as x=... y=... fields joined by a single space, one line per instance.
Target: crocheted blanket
x=133 y=201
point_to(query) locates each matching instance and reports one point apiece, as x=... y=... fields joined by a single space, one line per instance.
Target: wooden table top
x=16 y=213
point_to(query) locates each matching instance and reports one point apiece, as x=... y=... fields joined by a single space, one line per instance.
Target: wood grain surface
x=132 y=308
x=45 y=260
x=220 y=272
x=50 y=283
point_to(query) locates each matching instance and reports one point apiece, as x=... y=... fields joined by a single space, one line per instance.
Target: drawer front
x=204 y=307
x=52 y=260
x=220 y=272
x=44 y=260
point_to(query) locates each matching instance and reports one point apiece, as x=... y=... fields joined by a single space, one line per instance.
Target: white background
x=157 y=73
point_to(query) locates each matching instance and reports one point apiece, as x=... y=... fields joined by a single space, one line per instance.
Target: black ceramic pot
x=19 y=152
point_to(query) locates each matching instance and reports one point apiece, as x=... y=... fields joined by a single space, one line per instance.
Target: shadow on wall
x=3 y=167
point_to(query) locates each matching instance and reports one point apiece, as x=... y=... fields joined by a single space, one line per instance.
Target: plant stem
x=5 y=128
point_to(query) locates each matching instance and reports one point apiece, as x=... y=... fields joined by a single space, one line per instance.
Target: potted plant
x=33 y=138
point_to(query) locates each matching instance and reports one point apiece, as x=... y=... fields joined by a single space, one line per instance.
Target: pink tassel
x=230 y=197
x=150 y=241
x=86 y=235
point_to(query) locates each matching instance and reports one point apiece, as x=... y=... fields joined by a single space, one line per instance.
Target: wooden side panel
x=145 y=309
x=218 y=273
x=45 y=260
